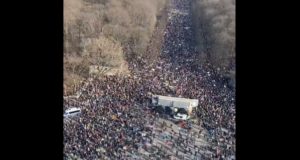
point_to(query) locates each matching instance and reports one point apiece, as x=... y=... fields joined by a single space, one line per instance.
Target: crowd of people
x=115 y=118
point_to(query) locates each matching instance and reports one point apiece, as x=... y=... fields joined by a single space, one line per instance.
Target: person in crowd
x=114 y=119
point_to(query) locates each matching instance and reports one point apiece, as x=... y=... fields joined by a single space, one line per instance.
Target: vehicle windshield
x=74 y=112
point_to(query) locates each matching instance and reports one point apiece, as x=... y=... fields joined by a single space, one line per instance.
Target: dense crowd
x=115 y=116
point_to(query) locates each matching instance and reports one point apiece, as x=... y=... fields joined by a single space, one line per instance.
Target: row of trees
x=214 y=22
x=96 y=32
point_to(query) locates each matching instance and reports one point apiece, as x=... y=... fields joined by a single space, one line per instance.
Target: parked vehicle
x=72 y=112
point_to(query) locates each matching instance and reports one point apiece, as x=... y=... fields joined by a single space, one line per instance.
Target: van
x=72 y=112
x=181 y=116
